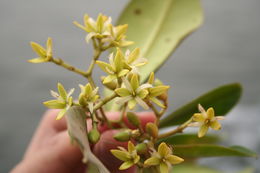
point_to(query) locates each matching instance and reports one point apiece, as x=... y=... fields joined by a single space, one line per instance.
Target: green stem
x=67 y=66
x=179 y=129
x=104 y=101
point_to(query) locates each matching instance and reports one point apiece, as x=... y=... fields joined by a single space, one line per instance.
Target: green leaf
x=184 y=168
x=162 y=25
x=222 y=99
x=77 y=128
x=208 y=150
x=189 y=139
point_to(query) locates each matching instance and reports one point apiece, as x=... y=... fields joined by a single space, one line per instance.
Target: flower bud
x=94 y=136
x=163 y=97
x=141 y=148
x=152 y=130
x=110 y=85
x=135 y=133
x=123 y=136
x=133 y=119
x=157 y=82
x=82 y=100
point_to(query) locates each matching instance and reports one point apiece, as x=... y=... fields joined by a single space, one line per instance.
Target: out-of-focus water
x=226 y=49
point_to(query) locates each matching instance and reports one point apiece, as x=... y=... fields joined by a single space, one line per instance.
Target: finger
x=68 y=155
x=102 y=151
x=144 y=117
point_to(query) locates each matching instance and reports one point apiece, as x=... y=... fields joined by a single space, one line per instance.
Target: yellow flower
x=133 y=60
x=98 y=28
x=130 y=156
x=63 y=101
x=156 y=91
x=163 y=158
x=116 y=68
x=117 y=36
x=88 y=96
x=206 y=119
x=133 y=93
x=45 y=55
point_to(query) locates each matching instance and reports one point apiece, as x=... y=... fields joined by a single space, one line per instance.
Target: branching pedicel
x=123 y=79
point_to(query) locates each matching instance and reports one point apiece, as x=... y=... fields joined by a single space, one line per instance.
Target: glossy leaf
x=183 y=168
x=183 y=139
x=208 y=150
x=222 y=99
x=158 y=27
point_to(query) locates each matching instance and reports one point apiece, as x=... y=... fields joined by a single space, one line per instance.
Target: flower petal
x=37 y=60
x=164 y=168
x=109 y=78
x=130 y=147
x=127 y=84
x=62 y=91
x=210 y=113
x=61 y=114
x=158 y=102
x=123 y=72
x=123 y=100
x=133 y=55
x=39 y=49
x=144 y=86
x=141 y=103
x=134 y=82
x=174 y=159
x=215 y=125
x=131 y=103
x=198 y=117
x=163 y=149
x=118 y=60
x=49 y=48
x=143 y=93
x=202 y=110
x=123 y=92
x=55 y=104
x=89 y=36
x=105 y=66
x=152 y=161
x=203 y=130
x=126 y=165
x=159 y=90
x=121 y=155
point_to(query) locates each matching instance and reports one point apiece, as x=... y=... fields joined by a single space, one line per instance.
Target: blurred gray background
x=225 y=49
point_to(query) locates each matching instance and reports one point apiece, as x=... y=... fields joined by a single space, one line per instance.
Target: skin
x=50 y=149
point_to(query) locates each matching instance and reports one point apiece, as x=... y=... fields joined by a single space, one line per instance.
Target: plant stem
x=104 y=101
x=61 y=63
x=179 y=129
x=156 y=112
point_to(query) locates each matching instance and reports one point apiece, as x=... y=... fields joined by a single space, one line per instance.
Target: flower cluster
x=146 y=147
x=103 y=30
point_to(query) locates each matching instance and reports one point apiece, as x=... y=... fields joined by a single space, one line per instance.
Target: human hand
x=51 y=150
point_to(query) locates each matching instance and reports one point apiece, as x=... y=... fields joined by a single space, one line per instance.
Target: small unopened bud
x=82 y=100
x=163 y=96
x=157 y=82
x=110 y=85
x=141 y=148
x=135 y=133
x=133 y=119
x=123 y=135
x=94 y=136
x=152 y=130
